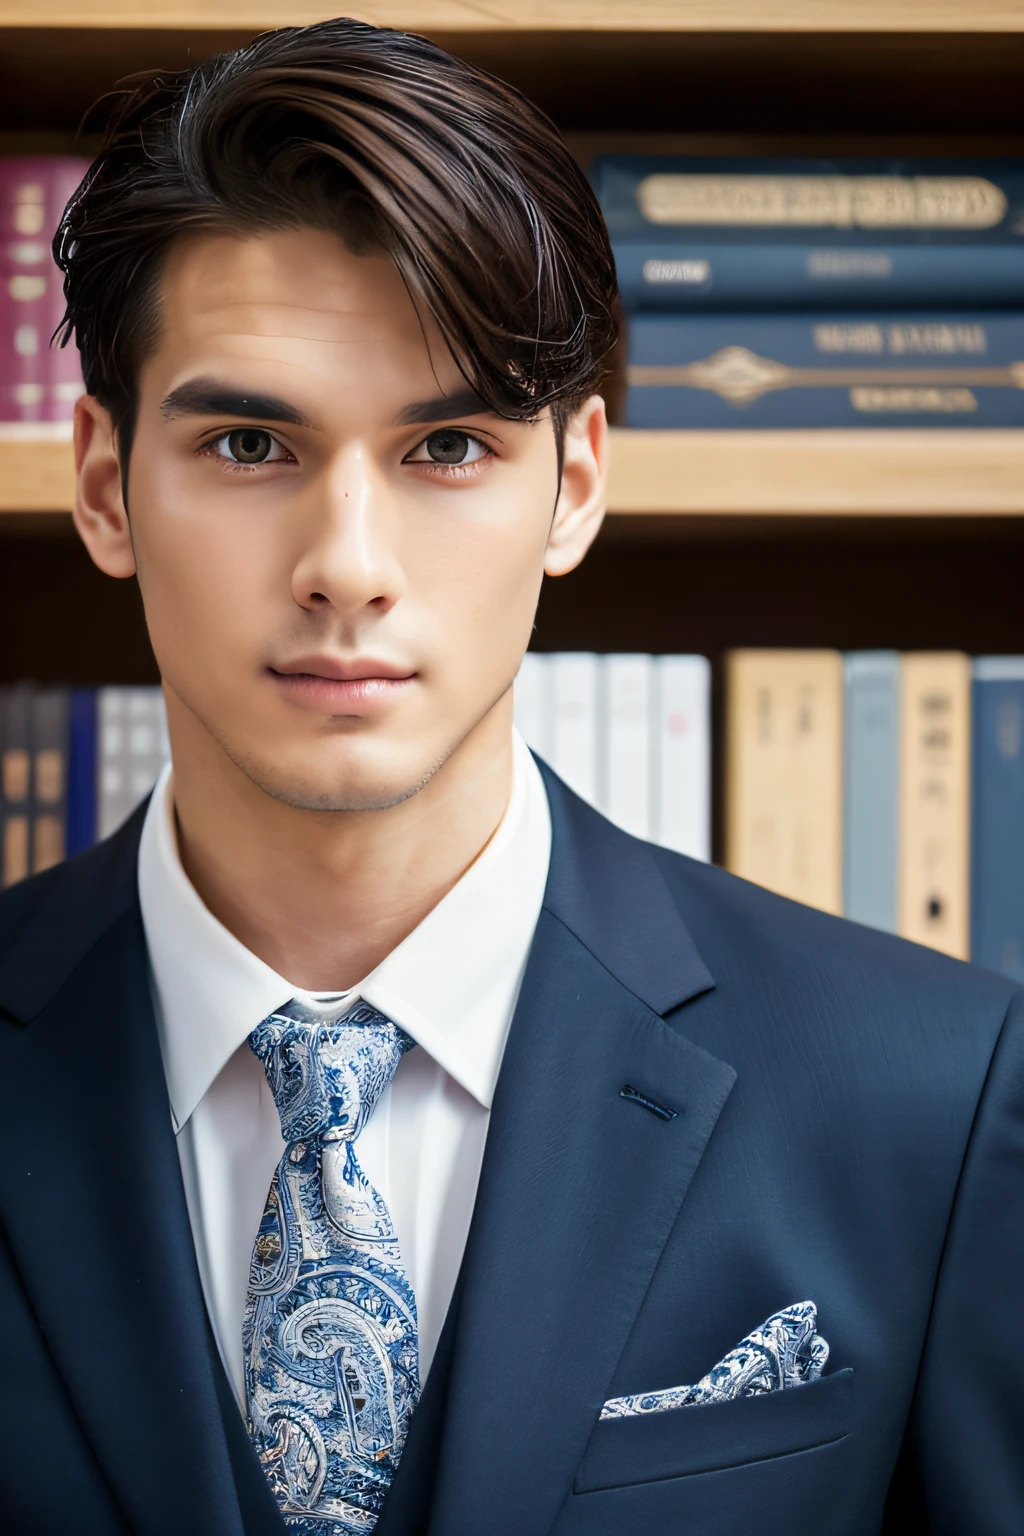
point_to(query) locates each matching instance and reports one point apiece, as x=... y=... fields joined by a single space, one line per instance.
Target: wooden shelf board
x=36 y=476
x=539 y=15
x=741 y=474
x=925 y=473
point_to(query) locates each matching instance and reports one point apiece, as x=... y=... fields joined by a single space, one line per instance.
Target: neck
x=324 y=897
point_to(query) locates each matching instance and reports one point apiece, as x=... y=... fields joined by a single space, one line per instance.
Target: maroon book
x=37 y=383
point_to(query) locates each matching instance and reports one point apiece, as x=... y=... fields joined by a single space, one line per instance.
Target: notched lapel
x=578 y=1194
x=95 y=1211
x=580 y=1187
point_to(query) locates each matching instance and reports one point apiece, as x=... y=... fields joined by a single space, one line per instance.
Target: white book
x=530 y=697
x=573 y=741
x=627 y=743
x=682 y=759
x=132 y=748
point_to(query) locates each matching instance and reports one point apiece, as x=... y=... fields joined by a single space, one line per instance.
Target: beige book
x=935 y=800
x=784 y=767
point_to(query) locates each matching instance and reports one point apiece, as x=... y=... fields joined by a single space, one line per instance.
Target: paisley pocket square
x=785 y=1351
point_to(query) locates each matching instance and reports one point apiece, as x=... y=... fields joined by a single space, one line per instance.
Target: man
x=389 y=1142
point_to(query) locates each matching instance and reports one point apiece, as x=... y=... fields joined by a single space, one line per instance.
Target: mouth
x=331 y=686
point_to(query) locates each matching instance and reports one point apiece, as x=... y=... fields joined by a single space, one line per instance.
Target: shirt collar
x=452 y=984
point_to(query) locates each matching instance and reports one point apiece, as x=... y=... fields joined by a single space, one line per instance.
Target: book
x=81 y=814
x=997 y=821
x=681 y=714
x=934 y=802
x=15 y=783
x=573 y=727
x=724 y=232
x=49 y=736
x=530 y=696
x=627 y=766
x=957 y=369
x=132 y=750
x=871 y=780
x=784 y=761
x=38 y=384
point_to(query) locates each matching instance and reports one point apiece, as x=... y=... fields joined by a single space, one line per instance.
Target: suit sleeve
x=961 y=1471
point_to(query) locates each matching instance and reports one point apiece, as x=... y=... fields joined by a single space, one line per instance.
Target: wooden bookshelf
x=541 y=15
x=866 y=538
x=729 y=474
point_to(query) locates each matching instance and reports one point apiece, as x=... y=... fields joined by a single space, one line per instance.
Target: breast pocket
x=712 y=1436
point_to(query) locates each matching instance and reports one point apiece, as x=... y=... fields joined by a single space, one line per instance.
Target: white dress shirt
x=452 y=985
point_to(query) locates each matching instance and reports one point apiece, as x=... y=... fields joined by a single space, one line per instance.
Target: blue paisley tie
x=329 y=1333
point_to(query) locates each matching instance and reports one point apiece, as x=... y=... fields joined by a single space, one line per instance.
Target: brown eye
x=249 y=445
x=448 y=446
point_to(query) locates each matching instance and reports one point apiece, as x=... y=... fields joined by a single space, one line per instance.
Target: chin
x=352 y=786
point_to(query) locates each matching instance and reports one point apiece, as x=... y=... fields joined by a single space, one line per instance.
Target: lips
x=360 y=669
x=328 y=685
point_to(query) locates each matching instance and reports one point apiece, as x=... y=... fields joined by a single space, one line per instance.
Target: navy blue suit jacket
x=849 y=1130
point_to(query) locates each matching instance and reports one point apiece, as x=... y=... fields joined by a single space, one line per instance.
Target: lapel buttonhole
x=627 y=1091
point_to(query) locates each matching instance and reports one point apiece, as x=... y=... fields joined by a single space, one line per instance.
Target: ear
x=99 y=510
x=579 y=510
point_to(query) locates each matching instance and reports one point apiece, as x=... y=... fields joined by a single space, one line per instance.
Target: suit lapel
x=580 y=1186
x=94 y=1204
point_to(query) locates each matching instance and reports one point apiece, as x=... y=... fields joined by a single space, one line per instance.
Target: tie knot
x=327 y=1072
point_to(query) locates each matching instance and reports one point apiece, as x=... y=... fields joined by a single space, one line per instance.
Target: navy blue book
x=826 y=370
x=694 y=232
x=82 y=788
x=997 y=832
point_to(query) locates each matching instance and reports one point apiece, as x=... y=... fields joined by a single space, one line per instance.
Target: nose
x=350 y=560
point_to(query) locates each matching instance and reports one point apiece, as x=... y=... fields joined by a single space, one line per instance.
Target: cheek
x=481 y=578
x=203 y=576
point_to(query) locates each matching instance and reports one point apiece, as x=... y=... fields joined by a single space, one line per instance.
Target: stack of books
x=630 y=734
x=39 y=384
x=74 y=762
x=765 y=292
x=886 y=787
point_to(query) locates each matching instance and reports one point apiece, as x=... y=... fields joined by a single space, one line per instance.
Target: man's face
x=339 y=549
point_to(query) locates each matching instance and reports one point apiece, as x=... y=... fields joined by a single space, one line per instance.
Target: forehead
x=297 y=303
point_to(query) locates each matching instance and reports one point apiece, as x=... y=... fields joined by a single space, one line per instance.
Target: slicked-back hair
x=383 y=138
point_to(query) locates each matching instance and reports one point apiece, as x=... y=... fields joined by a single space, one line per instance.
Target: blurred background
x=796 y=646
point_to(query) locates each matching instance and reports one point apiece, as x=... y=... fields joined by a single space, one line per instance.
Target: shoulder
x=49 y=921
x=865 y=989
x=723 y=911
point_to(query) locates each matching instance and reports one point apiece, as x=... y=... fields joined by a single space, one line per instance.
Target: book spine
x=15 y=783
x=532 y=705
x=826 y=370
x=934 y=808
x=871 y=779
x=627 y=798
x=574 y=721
x=64 y=365
x=50 y=731
x=27 y=279
x=997 y=820
x=81 y=823
x=132 y=751
x=682 y=755
x=784 y=773
x=697 y=275
x=746 y=199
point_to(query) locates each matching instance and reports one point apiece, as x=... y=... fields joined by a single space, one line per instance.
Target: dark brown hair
x=384 y=138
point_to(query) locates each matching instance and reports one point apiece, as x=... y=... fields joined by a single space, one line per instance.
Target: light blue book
x=871 y=787
x=997 y=832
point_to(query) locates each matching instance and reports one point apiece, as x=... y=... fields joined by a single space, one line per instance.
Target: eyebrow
x=210 y=397
x=465 y=402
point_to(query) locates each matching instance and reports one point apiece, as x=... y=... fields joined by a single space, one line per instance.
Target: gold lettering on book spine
x=740 y=376
x=822 y=202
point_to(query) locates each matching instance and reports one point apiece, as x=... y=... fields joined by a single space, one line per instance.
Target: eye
x=247 y=445
x=448 y=445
